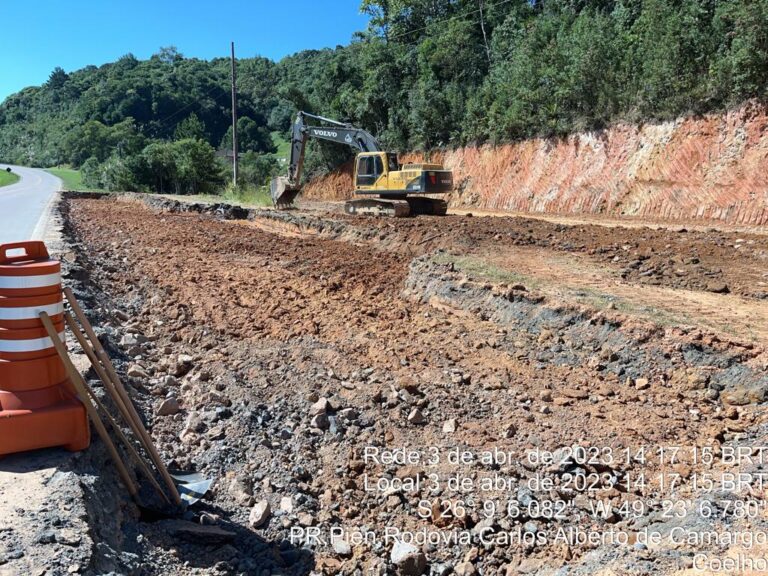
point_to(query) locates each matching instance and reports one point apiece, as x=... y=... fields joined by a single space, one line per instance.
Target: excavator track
x=427 y=206
x=377 y=207
x=396 y=208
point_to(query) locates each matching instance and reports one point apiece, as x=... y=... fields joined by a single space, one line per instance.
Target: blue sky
x=38 y=35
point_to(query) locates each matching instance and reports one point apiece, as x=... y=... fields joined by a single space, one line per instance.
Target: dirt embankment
x=290 y=343
x=702 y=168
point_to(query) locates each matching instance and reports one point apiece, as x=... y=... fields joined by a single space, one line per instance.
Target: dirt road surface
x=283 y=346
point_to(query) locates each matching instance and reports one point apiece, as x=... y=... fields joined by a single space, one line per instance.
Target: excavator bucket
x=283 y=193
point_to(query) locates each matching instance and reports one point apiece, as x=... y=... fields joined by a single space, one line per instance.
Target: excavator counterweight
x=386 y=188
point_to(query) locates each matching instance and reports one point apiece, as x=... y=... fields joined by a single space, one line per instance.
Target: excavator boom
x=285 y=189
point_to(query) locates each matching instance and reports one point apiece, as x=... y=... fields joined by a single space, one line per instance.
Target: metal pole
x=234 y=118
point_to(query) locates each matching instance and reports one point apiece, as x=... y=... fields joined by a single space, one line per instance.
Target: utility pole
x=234 y=119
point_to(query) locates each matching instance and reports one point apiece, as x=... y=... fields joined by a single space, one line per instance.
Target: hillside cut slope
x=702 y=168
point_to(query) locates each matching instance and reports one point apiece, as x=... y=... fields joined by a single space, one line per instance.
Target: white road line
x=27 y=206
x=39 y=232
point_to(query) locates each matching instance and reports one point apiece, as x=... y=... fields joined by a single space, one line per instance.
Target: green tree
x=252 y=137
x=740 y=67
x=92 y=140
x=91 y=173
x=197 y=170
x=160 y=159
x=57 y=79
x=257 y=170
x=117 y=175
x=423 y=74
x=169 y=55
x=190 y=127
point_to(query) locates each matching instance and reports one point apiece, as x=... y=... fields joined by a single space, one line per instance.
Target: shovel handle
x=135 y=420
x=80 y=386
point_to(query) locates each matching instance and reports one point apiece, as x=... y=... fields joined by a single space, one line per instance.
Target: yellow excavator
x=382 y=185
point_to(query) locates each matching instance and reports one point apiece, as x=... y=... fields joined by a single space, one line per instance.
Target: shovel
x=192 y=486
x=185 y=489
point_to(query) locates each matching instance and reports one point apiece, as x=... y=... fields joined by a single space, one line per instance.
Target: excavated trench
x=291 y=342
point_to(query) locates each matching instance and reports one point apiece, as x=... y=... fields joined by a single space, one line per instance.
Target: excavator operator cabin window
x=365 y=171
x=379 y=166
x=393 y=163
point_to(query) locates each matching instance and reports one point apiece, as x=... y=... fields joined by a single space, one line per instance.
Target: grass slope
x=72 y=179
x=283 y=146
x=7 y=178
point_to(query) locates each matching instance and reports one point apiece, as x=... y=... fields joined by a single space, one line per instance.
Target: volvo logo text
x=326 y=133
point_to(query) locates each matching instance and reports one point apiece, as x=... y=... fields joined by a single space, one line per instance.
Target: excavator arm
x=285 y=189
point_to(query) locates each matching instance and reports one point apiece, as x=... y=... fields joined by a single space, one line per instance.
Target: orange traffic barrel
x=63 y=424
x=16 y=312
x=28 y=360
x=22 y=375
x=26 y=269
x=38 y=404
x=34 y=399
x=28 y=343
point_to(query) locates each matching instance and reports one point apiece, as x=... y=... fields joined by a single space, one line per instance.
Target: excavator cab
x=374 y=171
x=371 y=171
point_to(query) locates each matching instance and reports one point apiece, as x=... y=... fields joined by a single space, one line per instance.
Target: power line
x=163 y=121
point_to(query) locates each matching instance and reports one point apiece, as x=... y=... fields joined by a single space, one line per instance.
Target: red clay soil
x=708 y=168
x=271 y=323
x=711 y=261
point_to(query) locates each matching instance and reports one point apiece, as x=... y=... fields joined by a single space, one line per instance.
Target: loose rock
x=408 y=559
x=169 y=407
x=136 y=371
x=259 y=514
x=321 y=422
x=322 y=406
x=416 y=417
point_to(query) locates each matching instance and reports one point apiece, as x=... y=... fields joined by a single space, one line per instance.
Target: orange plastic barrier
x=31 y=273
x=38 y=405
x=16 y=312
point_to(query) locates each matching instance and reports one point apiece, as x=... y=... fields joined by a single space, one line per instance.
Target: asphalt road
x=24 y=206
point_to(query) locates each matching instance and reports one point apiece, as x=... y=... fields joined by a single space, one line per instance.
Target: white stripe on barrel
x=33 y=345
x=30 y=312
x=23 y=282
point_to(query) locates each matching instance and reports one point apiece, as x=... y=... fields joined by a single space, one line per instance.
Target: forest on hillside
x=425 y=74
